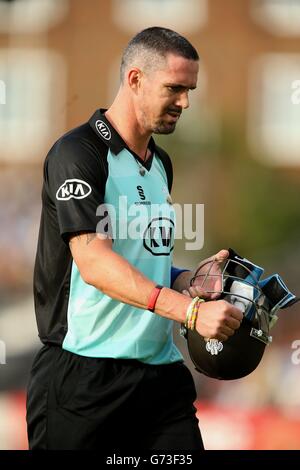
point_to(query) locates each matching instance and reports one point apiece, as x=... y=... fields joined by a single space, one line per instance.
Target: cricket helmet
x=259 y=300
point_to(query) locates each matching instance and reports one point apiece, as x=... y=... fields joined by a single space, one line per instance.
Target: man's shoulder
x=83 y=131
x=77 y=142
x=82 y=134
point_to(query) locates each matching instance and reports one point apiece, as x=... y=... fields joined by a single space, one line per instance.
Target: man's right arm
x=113 y=275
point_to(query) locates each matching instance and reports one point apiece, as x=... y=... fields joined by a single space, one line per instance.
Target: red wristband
x=153 y=297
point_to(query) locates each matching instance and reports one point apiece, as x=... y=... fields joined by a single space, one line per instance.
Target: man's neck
x=122 y=117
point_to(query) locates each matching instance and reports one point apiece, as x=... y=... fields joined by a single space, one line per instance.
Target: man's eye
x=174 y=89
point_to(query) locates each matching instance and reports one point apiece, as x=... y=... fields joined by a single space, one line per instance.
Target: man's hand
x=218 y=319
x=207 y=279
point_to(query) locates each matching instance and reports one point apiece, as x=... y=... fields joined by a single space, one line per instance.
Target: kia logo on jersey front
x=159 y=236
x=73 y=189
x=103 y=129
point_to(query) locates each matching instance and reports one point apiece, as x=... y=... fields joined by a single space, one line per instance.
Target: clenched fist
x=218 y=319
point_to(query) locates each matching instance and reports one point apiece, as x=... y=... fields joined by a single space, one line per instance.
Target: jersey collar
x=108 y=134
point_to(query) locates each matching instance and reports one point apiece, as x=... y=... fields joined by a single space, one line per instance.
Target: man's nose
x=183 y=100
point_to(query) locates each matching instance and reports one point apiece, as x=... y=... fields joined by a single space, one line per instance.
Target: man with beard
x=109 y=374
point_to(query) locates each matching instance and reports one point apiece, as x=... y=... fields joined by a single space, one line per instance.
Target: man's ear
x=134 y=78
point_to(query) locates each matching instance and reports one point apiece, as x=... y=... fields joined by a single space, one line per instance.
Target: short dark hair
x=160 y=41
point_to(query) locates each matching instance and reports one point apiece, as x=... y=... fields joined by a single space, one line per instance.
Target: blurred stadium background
x=236 y=150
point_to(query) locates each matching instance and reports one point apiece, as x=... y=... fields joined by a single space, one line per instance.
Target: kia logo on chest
x=73 y=189
x=103 y=129
x=159 y=236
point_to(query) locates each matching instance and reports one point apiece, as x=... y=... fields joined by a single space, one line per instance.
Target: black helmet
x=259 y=301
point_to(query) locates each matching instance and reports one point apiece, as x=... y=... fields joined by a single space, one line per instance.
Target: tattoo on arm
x=79 y=236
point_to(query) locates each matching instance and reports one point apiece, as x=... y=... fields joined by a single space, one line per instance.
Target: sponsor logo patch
x=103 y=129
x=141 y=192
x=73 y=188
x=159 y=236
